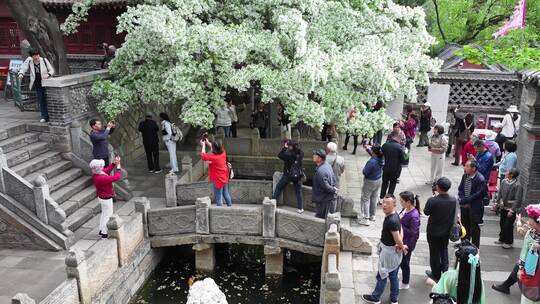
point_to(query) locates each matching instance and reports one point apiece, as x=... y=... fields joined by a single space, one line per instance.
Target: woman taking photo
x=218 y=170
x=410 y=223
x=103 y=182
x=291 y=155
x=438 y=143
x=167 y=131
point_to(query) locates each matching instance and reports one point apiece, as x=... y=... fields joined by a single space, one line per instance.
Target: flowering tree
x=318 y=57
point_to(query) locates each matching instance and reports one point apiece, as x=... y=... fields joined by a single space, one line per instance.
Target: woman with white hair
x=337 y=162
x=104 y=189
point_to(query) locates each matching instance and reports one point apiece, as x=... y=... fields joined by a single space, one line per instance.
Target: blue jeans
x=42 y=102
x=222 y=193
x=282 y=183
x=226 y=130
x=381 y=285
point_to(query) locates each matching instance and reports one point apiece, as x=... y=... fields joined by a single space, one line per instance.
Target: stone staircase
x=29 y=155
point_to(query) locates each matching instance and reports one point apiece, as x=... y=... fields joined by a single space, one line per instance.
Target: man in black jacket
x=394 y=156
x=471 y=193
x=441 y=211
x=149 y=130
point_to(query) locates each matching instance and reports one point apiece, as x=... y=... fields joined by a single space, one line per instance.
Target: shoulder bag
x=456 y=226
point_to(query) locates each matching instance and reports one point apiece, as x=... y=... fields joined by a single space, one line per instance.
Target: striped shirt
x=468 y=184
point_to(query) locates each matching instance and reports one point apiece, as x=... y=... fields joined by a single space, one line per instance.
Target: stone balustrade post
x=273 y=264
x=331 y=246
x=255 y=142
x=205 y=257
x=332 y=282
x=171 y=180
x=3 y=164
x=41 y=193
x=75 y=133
x=202 y=215
x=77 y=268
x=269 y=218
x=115 y=225
x=333 y=218
x=22 y=298
x=275 y=180
x=187 y=166
x=142 y=204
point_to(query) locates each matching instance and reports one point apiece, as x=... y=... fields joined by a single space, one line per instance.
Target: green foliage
x=473 y=22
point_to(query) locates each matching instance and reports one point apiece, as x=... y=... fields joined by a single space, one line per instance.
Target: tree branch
x=439 y=20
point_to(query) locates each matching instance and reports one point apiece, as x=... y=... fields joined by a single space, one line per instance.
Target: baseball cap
x=320 y=152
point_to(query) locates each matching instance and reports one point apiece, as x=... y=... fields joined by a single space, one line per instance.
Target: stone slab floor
x=496 y=263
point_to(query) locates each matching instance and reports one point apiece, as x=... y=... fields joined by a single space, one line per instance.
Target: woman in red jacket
x=104 y=189
x=218 y=171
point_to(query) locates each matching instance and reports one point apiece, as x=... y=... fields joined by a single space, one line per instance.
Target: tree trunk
x=42 y=30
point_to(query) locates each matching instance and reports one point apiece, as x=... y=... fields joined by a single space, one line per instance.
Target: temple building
x=82 y=47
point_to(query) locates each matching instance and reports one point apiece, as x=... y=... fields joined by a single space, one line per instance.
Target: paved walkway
x=496 y=262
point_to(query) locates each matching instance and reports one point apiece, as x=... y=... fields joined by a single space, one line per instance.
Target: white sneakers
x=42 y=120
x=403 y=286
x=363 y=222
x=300 y=210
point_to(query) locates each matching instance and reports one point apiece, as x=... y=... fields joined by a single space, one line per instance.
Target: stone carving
x=77 y=99
x=202 y=224
x=188 y=193
x=174 y=220
x=19 y=189
x=250 y=191
x=351 y=241
x=300 y=227
x=269 y=217
x=237 y=220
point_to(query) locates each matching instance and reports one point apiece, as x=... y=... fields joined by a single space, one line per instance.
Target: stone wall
x=529 y=137
x=69 y=101
x=242 y=191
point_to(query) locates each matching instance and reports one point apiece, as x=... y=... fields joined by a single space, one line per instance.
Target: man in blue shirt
x=485 y=164
x=99 y=138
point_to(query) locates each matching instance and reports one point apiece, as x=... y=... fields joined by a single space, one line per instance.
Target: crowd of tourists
x=489 y=163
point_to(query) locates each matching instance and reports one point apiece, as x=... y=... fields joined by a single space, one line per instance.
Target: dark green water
x=239 y=273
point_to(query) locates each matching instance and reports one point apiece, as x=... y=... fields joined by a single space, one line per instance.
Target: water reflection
x=239 y=273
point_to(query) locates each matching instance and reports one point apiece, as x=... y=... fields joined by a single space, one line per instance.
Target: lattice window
x=498 y=95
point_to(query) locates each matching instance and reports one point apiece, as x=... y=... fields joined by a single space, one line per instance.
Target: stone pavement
x=496 y=262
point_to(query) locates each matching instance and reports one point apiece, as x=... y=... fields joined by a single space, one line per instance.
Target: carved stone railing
x=330 y=278
x=261 y=224
x=110 y=270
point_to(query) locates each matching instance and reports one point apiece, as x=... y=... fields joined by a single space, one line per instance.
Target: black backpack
x=296 y=172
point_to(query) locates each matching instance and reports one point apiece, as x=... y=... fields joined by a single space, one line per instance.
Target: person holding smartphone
x=103 y=181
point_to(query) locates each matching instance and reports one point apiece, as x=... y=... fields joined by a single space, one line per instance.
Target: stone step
x=16 y=142
x=26 y=153
x=37 y=127
x=50 y=171
x=36 y=163
x=79 y=218
x=74 y=188
x=12 y=131
x=64 y=178
x=78 y=200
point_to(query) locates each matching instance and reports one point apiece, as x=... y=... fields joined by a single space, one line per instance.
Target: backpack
x=296 y=172
x=176 y=133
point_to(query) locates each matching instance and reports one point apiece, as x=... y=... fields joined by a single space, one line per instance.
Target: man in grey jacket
x=324 y=190
x=335 y=161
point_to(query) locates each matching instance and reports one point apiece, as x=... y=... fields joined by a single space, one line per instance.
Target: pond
x=239 y=273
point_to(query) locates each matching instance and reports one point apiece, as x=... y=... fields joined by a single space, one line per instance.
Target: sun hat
x=491 y=135
x=427 y=104
x=512 y=109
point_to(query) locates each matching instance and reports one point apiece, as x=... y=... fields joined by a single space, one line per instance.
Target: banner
x=516 y=21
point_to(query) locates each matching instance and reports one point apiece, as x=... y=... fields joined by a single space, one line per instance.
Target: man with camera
x=99 y=138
